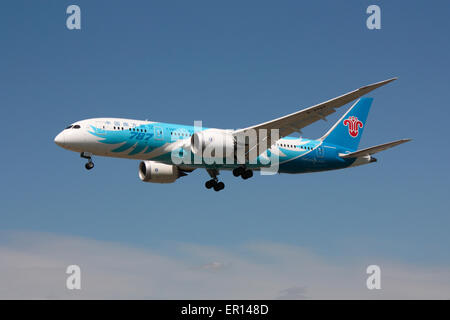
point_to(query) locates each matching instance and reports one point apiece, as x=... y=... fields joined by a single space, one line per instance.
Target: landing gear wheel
x=214 y=182
x=89 y=165
x=210 y=184
x=87 y=155
x=219 y=186
x=238 y=171
x=247 y=174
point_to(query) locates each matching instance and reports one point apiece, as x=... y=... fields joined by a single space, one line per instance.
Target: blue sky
x=230 y=64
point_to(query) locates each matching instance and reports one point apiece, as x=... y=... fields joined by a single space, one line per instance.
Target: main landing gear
x=87 y=155
x=244 y=173
x=214 y=182
x=217 y=185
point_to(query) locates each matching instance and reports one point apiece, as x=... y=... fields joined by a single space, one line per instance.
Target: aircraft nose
x=60 y=140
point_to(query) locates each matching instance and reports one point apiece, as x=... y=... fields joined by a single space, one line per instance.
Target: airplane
x=168 y=151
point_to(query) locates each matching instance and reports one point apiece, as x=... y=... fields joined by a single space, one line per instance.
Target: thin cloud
x=33 y=265
x=213 y=266
x=294 y=293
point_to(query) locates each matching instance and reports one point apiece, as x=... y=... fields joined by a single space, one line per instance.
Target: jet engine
x=156 y=172
x=216 y=142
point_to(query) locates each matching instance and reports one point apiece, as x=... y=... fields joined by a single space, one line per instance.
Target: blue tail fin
x=348 y=130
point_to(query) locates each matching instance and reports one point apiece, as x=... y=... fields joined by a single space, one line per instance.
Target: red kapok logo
x=353 y=126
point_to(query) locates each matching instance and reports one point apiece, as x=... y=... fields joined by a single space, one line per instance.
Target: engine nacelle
x=216 y=142
x=156 y=172
x=363 y=160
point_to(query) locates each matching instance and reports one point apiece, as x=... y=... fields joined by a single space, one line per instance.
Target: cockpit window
x=76 y=126
x=69 y=127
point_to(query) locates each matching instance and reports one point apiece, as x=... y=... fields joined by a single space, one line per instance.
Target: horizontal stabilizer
x=373 y=150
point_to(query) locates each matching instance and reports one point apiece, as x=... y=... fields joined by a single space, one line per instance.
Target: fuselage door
x=158 y=133
x=320 y=152
x=100 y=127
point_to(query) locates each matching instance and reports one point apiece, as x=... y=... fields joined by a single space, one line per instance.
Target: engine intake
x=212 y=143
x=156 y=172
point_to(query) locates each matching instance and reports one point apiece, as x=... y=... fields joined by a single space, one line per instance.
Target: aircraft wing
x=373 y=150
x=294 y=122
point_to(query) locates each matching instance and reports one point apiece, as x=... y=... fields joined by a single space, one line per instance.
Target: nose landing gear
x=89 y=165
x=87 y=155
